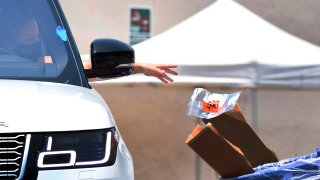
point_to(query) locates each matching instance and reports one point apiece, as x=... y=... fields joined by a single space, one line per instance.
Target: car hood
x=31 y=106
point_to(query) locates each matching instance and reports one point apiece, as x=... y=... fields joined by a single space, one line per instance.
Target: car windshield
x=35 y=43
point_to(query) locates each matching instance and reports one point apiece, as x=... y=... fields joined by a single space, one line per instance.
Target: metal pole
x=254 y=109
x=197 y=159
x=197 y=168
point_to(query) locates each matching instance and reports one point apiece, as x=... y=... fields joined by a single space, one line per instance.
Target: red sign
x=140 y=25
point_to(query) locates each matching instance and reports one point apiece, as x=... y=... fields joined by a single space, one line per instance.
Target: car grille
x=11 y=155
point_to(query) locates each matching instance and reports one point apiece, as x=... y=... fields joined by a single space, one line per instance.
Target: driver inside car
x=20 y=36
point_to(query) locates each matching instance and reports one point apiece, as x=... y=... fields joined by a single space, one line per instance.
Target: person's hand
x=157 y=70
x=45 y=59
x=86 y=63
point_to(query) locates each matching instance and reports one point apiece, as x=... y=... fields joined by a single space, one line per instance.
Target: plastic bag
x=204 y=104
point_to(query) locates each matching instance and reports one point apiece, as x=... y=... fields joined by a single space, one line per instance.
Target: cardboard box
x=229 y=145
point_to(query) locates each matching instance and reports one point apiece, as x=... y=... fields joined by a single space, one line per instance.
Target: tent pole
x=197 y=167
x=197 y=160
x=254 y=108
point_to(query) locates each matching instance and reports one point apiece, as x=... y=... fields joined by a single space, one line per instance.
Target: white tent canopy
x=226 y=43
x=227 y=33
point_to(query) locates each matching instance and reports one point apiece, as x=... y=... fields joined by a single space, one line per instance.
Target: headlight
x=86 y=148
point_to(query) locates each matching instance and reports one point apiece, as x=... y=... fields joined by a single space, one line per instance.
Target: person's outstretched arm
x=157 y=70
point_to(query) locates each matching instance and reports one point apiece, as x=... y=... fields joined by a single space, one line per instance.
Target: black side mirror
x=110 y=58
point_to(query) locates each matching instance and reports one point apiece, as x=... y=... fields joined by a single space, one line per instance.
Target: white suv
x=53 y=125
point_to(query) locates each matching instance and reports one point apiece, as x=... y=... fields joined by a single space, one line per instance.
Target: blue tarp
x=301 y=167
